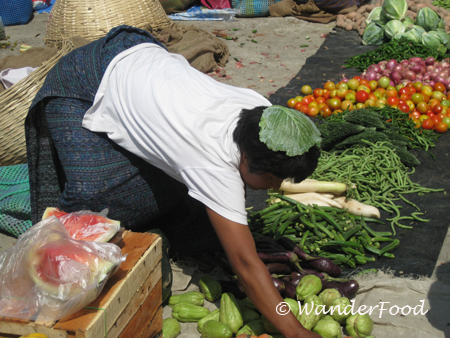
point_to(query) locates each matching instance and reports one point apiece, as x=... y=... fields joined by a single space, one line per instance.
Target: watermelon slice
x=86 y=225
x=66 y=268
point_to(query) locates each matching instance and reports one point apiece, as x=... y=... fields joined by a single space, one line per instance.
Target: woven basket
x=93 y=19
x=14 y=105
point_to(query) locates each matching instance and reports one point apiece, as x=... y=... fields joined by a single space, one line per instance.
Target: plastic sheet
x=48 y=275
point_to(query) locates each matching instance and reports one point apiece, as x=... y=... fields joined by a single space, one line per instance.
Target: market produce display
x=320 y=302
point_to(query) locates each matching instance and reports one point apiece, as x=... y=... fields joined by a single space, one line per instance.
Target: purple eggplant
x=320 y=264
x=278 y=256
x=289 y=290
x=348 y=289
x=296 y=276
x=279 y=284
x=279 y=268
x=262 y=242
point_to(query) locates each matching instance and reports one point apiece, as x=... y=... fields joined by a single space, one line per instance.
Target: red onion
x=396 y=77
x=410 y=75
x=398 y=68
x=445 y=72
x=432 y=83
x=430 y=68
x=416 y=59
x=385 y=72
x=430 y=61
x=419 y=77
x=448 y=86
x=374 y=68
x=416 y=68
x=445 y=64
x=436 y=64
x=344 y=79
x=426 y=78
x=440 y=79
x=391 y=64
x=371 y=75
x=378 y=76
x=391 y=83
x=404 y=63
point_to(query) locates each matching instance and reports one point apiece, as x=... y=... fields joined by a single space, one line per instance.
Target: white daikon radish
x=310 y=185
x=309 y=197
x=324 y=194
x=357 y=208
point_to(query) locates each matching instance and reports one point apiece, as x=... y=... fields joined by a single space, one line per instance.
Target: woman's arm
x=238 y=243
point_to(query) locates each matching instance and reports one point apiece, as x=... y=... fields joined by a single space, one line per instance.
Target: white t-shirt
x=155 y=105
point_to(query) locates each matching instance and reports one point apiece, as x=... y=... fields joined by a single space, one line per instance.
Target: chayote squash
x=327 y=327
x=308 y=315
x=187 y=312
x=373 y=34
x=341 y=309
x=171 y=328
x=248 y=314
x=328 y=295
x=213 y=315
x=359 y=326
x=308 y=285
x=394 y=9
x=428 y=19
x=268 y=326
x=215 y=329
x=192 y=297
x=294 y=307
x=230 y=313
x=253 y=328
x=210 y=288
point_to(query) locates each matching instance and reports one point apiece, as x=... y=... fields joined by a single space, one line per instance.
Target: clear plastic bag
x=86 y=225
x=51 y=275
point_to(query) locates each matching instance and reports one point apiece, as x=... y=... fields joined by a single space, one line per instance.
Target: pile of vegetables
x=426 y=105
x=358 y=20
x=390 y=22
x=320 y=302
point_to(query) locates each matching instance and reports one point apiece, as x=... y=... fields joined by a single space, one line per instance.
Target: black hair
x=264 y=160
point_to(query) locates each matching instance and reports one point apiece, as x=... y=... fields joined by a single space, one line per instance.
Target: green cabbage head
x=431 y=40
x=407 y=35
x=394 y=9
x=417 y=31
x=407 y=22
x=393 y=28
x=373 y=34
x=376 y=16
x=428 y=19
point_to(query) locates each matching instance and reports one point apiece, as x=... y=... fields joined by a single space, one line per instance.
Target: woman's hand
x=238 y=243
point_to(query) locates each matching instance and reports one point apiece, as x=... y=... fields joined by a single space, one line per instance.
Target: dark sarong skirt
x=75 y=169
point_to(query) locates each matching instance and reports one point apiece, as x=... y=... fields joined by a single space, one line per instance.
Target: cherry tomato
x=404 y=107
x=313 y=111
x=405 y=97
x=428 y=124
x=418 y=86
x=411 y=105
x=333 y=93
x=291 y=103
x=360 y=105
x=329 y=85
x=350 y=97
x=422 y=107
x=441 y=127
x=390 y=92
x=334 y=103
x=446 y=120
x=437 y=108
x=392 y=100
x=438 y=86
x=383 y=82
x=430 y=114
x=320 y=99
x=437 y=95
x=370 y=103
x=362 y=96
x=326 y=94
x=341 y=93
x=423 y=117
x=436 y=119
x=313 y=104
x=304 y=109
x=325 y=111
x=298 y=105
x=357 y=77
x=306 y=90
x=373 y=85
x=353 y=84
x=404 y=90
x=415 y=115
x=416 y=98
x=318 y=92
x=346 y=105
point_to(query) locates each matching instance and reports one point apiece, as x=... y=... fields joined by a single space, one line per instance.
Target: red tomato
x=436 y=119
x=320 y=99
x=329 y=85
x=430 y=114
x=392 y=100
x=325 y=111
x=362 y=96
x=313 y=111
x=437 y=108
x=357 y=78
x=439 y=87
x=441 y=127
x=318 y=92
x=298 y=106
x=404 y=107
x=415 y=115
x=326 y=94
x=404 y=90
x=428 y=124
x=304 y=109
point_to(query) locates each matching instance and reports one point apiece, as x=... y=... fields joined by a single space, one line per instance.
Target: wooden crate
x=128 y=307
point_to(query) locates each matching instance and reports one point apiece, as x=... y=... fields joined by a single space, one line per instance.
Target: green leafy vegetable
x=288 y=130
x=394 y=9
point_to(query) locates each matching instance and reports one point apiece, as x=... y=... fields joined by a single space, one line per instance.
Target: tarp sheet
x=419 y=247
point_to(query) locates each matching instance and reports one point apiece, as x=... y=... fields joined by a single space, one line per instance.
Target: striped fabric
x=333 y=5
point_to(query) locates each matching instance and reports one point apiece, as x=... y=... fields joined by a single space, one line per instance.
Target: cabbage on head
x=429 y=19
x=373 y=34
x=393 y=28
